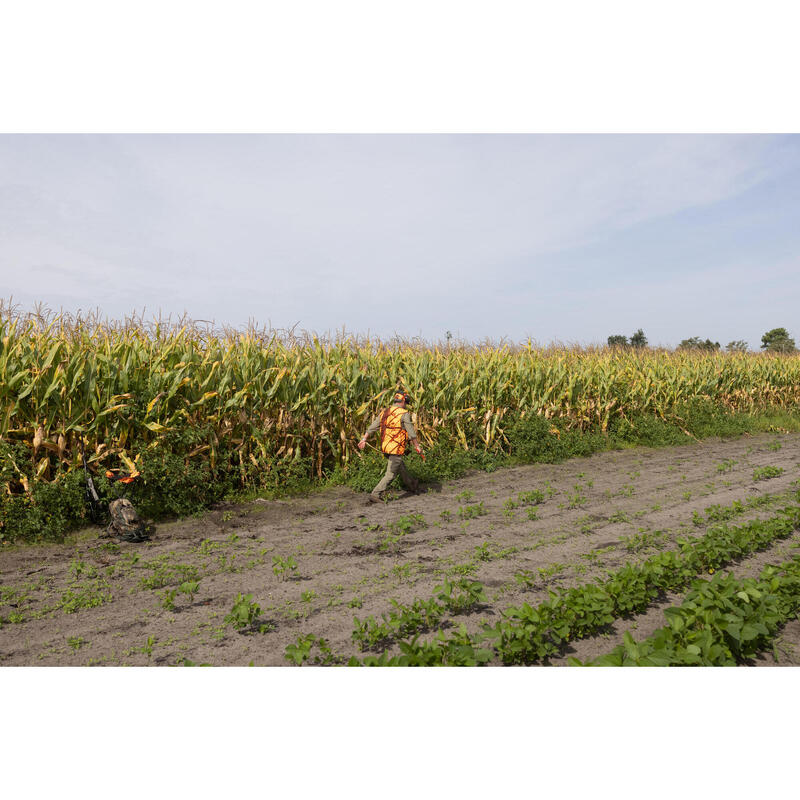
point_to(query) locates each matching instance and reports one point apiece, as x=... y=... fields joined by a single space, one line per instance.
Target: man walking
x=396 y=429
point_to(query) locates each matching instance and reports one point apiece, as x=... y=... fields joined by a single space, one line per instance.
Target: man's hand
x=362 y=444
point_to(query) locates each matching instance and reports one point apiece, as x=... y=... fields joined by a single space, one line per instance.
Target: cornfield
x=269 y=397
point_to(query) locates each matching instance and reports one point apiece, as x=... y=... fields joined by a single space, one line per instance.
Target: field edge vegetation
x=205 y=416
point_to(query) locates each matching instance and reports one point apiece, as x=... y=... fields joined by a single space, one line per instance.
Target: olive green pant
x=393 y=468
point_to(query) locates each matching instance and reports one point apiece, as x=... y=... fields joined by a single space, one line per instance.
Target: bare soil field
x=314 y=563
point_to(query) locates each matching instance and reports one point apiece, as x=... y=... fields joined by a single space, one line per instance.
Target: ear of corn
x=123 y=386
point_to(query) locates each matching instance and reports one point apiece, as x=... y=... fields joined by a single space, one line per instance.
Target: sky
x=566 y=238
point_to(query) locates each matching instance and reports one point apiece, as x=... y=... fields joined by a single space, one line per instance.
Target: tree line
x=777 y=340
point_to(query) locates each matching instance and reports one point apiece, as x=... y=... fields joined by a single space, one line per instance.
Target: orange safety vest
x=393 y=434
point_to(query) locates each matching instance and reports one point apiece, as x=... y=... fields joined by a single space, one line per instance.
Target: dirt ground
x=93 y=601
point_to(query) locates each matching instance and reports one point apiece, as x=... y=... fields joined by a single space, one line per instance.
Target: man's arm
x=376 y=423
x=412 y=434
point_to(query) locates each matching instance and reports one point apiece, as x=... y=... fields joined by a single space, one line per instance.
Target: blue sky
x=560 y=238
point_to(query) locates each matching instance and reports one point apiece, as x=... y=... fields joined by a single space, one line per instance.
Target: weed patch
x=245 y=614
x=85 y=595
x=765 y=473
x=471 y=512
x=284 y=567
x=169 y=575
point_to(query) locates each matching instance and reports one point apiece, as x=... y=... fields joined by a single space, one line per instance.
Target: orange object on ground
x=122 y=477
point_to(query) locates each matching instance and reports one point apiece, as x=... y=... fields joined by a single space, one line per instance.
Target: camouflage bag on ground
x=125 y=523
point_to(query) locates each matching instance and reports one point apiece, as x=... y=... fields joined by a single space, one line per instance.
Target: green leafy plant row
x=719 y=513
x=724 y=621
x=528 y=635
x=456 y=650
x=421 y=615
